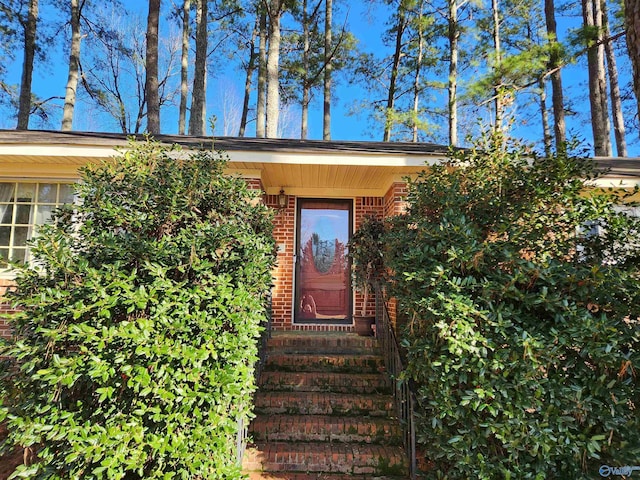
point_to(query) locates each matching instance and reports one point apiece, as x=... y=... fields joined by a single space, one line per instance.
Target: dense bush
x=366 y=253
x=136 y=341
x=522 y=334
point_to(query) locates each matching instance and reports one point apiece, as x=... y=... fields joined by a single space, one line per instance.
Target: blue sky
x=367 y=25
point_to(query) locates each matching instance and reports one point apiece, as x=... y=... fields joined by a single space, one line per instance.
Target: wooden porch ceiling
x=326 y=180
x=295 y=179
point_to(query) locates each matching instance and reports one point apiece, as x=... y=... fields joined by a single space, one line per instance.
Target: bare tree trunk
x=74 y=65
x=454 y=36
x=306 y=87
x=397 y=54
x=416 y=80
x=151 y=84
x=614 y=86
x=498 y=60
x=198 y=115
x=602 y=78
x=184 y=67
x=261 y=115
x=326 y=118
x=24 y=108
x=251 y=67
x=597 y=82
x=632 y=27
x=557 y=98
x=273 y=68
x=544 y=116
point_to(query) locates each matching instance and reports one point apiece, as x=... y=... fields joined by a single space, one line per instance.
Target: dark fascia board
x=220 y=143
x=620 y=167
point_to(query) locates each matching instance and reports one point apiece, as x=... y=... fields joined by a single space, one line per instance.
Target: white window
x=631 y=211
x=23 y=207
x=616 y=250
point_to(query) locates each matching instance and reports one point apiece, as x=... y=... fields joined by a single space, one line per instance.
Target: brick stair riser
x=344 y=345
x=325 y=363
x=315 y=476
x=329 y=458
x=315 y=403
x=324 y=382
x=319 y=428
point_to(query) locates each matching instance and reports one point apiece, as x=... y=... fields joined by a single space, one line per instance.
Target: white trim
x=377 y=159
x=40 y=179
x=294 y=261
x=613 y=182
x=84 y=153
x=66 y=151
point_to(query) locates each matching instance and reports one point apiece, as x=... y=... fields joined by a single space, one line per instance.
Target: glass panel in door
x=323 y=293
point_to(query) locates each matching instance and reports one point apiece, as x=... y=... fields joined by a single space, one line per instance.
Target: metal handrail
x=262 y=342
x=404 y=398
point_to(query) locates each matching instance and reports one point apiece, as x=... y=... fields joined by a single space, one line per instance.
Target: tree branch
x=547 y=73
x=332 y=55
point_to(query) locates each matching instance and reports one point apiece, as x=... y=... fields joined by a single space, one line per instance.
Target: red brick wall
x=368 y=206
x=5 y=307
x=395 y=204
x=254 y=183
x=284 y=232
x=394 y=200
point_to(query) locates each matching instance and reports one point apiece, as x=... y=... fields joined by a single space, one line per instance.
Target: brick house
x=309 y=405
x=320 y=192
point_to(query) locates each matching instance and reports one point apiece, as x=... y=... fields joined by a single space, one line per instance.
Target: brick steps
x=346 y=458
x=316 y=476
x=324 y=411
x=324 y=428
x=325 y=362
x=309 y=343
x=324 y=382
x=322 y=403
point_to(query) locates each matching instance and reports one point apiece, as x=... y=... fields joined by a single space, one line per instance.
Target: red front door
x=323 y=289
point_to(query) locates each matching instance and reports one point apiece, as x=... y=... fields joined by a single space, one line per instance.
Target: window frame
x=35 y=204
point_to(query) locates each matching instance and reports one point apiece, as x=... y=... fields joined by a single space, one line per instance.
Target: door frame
x=348 y=320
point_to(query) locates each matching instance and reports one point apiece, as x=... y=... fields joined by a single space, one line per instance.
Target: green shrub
x=366 y=249
x=137 y=336
x=522 y=336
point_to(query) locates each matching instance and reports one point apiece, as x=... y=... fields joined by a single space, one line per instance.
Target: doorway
x=322 y=280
